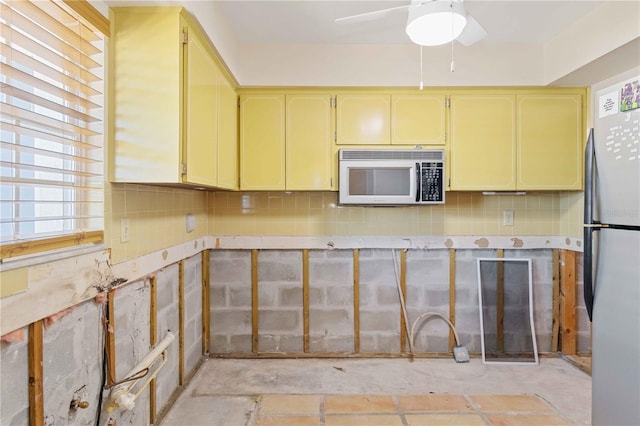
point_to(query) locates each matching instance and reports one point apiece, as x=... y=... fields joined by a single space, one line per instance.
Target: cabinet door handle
x=417 y=182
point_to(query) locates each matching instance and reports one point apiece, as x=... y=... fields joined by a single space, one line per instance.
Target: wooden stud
x=206 y=308
x=403 y=287
x=452 y=296
x=153 y=339
x=254 y=301
x=356 y=300
x=181 y=323
x=500 y=301
x=110 y=339
x=568 y=301
x=555 y=328
x=36 y=393
x=305 y=298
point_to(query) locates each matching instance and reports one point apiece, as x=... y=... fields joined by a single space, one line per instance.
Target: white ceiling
x=307 y=21
x=529 y=42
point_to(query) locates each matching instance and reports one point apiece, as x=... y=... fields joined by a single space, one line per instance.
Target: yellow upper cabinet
x=418 y=119
x=363 y=119
x=227 y=135
x=164 y=92
x=262 y=142
x=483 y=142
x=550 y=141
x=309 y=142
x=201 y=104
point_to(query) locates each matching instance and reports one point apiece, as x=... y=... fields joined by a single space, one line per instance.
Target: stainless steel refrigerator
x=612 y=254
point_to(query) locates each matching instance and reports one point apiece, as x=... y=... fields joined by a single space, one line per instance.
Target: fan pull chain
x=453 y=63
x=421 y=82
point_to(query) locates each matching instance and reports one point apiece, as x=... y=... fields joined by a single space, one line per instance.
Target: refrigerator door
x=616 y=329
x=617 y=153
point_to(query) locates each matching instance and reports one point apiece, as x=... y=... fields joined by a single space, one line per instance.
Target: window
x=51 y=118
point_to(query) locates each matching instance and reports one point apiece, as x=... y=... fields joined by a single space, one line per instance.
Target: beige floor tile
x=434 y=403
x=290 y=404
x=363 y=420
x=444 y=420
x=359 y=404
x=526 y=420
x=288 y=421
x=488 y=403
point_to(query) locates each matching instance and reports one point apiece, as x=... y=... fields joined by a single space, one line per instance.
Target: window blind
x=51 y=134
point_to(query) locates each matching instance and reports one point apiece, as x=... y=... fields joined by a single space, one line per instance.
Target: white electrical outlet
x=508 y=218
x=124 y=230
x=191 y=222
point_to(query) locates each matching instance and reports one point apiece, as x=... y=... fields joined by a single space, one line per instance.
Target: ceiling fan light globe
x=436 y=22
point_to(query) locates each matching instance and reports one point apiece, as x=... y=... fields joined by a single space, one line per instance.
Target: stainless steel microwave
x=391 y=176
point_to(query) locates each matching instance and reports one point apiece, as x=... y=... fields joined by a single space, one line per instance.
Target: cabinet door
x=308 y=140
x=550 y=139
x=262 y=138
x=363 y=119
x=147 y=95
x=201 y=92
x=483 y=142
x=418 y=119
x=227 y=135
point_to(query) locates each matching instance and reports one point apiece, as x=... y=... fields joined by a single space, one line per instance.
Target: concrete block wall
x=230 y=300
x=131 y=308
x=331 y=299
x=192 y=313
x=168 y=320
x=73 y=352
x=70 y=368
x=14 y=365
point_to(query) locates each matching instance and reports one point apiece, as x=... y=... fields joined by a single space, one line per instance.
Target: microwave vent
x=392 y=154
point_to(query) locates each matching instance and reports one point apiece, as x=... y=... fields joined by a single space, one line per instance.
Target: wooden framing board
x=356 y=300
x=403 y=288
x=36 y=393
x=568 y=301
x=153 y=339
x=305 y=299
x=452 y=296
x=206 y=308
x=555 y=327
x=110 y=338
x=254 y=301
x=500 y=301
x=181 y=323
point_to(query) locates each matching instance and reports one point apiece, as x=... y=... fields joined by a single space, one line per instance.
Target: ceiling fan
x=432 y=22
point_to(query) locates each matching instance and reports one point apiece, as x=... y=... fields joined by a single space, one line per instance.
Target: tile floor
x=380 y=392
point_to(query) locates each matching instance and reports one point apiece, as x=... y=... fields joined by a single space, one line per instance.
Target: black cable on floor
x=103 y=380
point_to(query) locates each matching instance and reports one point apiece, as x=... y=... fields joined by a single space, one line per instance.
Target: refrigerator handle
x=589 y=224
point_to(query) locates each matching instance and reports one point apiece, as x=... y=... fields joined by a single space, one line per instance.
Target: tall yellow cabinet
x=170 y=101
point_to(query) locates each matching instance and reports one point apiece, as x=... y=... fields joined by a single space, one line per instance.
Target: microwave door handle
x=417 y=182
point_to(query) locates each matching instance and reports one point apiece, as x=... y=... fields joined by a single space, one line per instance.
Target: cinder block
x=167 y=286
x=278 y=321
x=240 y=343
x=290 y=296
x=218 y=295
x=331 y=272
x=330 y=343
x=280 y=343
x=332 y=322
x=231 y=322
x=239 y=296
x=14 y=404
x=379 y=320
x=338 y=296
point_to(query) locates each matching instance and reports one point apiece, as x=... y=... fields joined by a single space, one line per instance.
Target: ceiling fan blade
x=472 y=33
x=369 y=16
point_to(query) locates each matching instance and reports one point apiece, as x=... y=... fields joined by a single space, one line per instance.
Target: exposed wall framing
x=36 y=396
x=568 y=301
x=356 y=301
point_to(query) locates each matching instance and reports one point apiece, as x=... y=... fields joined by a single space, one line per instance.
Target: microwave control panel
x=432 y=182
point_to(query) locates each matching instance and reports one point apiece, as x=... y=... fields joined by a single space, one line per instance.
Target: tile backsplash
x=464 y=213
x=157 y=216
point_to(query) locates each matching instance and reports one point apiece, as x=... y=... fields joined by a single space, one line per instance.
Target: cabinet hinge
x=335 y=136
x=183 y=168
x=447 y=102
x=331 y=183
x=185 y=35
x=238 y=102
